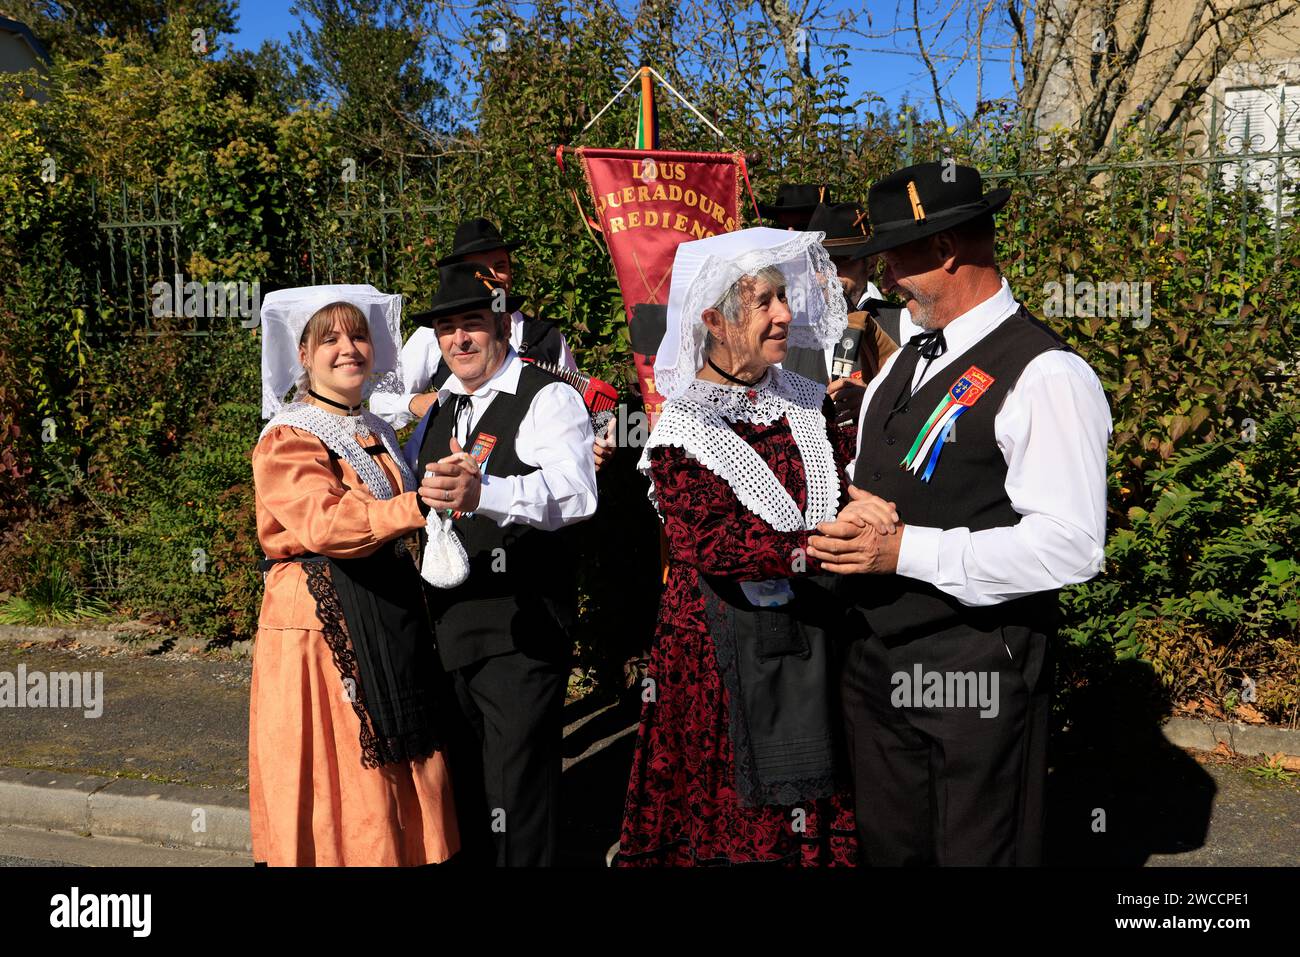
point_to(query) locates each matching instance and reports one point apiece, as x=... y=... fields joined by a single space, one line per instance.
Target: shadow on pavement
x=1118 y=792
x=595 y=786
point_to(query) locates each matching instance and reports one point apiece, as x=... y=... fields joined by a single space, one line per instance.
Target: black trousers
x=937 y=783
x=505 y=754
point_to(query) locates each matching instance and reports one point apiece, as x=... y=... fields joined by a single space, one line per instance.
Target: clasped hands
x=453 y=482
x=863 y=539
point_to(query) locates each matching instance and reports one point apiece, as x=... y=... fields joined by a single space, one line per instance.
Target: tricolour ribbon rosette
x=963 y=394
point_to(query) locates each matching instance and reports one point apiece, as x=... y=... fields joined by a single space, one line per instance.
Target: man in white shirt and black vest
x=946 y=690
x=477 y=241
x=505 y=635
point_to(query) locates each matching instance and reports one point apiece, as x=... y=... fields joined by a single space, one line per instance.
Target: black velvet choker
x=349 y=409
x=731 y=378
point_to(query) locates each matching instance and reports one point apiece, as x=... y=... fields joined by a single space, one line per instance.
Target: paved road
x=176 y=718
x=184 y=719
x=23 y=847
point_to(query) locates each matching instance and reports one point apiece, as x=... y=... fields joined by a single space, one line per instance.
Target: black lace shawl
x=374 y=620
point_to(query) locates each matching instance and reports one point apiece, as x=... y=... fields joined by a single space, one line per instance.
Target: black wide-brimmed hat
x=475 y=236
x=845 y=226
x=795 y=198
x=465 y=287
x=925 y=199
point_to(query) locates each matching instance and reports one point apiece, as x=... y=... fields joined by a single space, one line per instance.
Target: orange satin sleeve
x=307 y=502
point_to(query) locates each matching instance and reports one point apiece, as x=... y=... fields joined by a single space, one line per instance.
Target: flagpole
x=647 y=127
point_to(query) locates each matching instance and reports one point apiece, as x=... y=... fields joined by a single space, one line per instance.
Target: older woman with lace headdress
x=736 y=752
x=345 y=762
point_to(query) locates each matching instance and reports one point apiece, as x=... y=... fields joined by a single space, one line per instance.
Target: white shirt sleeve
x=1053 y=429
x=555 y=436
x=420 y=358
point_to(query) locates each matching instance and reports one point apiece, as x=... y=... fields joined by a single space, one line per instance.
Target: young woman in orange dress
x=345 y=759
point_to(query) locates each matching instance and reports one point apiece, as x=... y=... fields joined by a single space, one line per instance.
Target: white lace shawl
x=329 y=428
x=697 y=420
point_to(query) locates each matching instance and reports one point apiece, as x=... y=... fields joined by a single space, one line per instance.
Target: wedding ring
x=446 y=495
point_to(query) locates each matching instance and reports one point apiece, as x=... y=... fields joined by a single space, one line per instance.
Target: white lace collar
x=331 y=430
x=762 y=404
x=697 y=422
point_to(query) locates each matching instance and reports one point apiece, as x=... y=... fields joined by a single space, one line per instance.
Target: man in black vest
x=505 y=635
x=477 y=241
x=847 y=366
x=988 y=435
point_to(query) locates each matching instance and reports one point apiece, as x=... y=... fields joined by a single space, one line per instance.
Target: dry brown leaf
x=1212 y=709
x=1287 y=762
x=1250 y=714
x=1223 y=750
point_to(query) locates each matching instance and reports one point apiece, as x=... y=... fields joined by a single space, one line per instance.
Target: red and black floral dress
x=682 y=805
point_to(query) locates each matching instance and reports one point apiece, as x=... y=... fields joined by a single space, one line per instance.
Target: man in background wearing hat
x=794 y=204
x=477 y=241
x=946 y=689
x=505 y=635
x=846 y=367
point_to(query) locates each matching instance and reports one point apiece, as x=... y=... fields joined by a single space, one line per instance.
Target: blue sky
x=889 y=66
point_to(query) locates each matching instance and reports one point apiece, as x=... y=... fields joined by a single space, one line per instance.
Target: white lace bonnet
x=285 y=313
x=705 y=269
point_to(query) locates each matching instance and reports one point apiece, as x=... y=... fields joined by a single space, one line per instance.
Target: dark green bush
x=1203 y=582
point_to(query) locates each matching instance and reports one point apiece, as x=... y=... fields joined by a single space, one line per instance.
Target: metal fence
x=1242 y=163
x=1235 y=158
x=369 y=217
x=141 y=284
x=102 y=561
x=138 y=239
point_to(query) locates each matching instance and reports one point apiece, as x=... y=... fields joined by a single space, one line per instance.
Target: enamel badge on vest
x=479 y=452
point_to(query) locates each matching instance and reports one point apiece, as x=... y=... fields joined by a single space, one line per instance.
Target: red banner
x=647 y=203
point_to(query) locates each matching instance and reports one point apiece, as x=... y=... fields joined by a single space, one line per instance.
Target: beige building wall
x=17 y=55
x=1269 y=58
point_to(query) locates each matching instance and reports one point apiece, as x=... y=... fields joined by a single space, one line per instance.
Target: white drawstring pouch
x=445 y=563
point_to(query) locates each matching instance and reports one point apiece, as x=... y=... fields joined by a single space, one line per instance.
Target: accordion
x=600 y=397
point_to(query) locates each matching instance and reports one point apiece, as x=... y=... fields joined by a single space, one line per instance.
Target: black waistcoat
x=889 y=318
x=967 y=489
x=809 y=363
x=521 y=593
x=541 y=340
